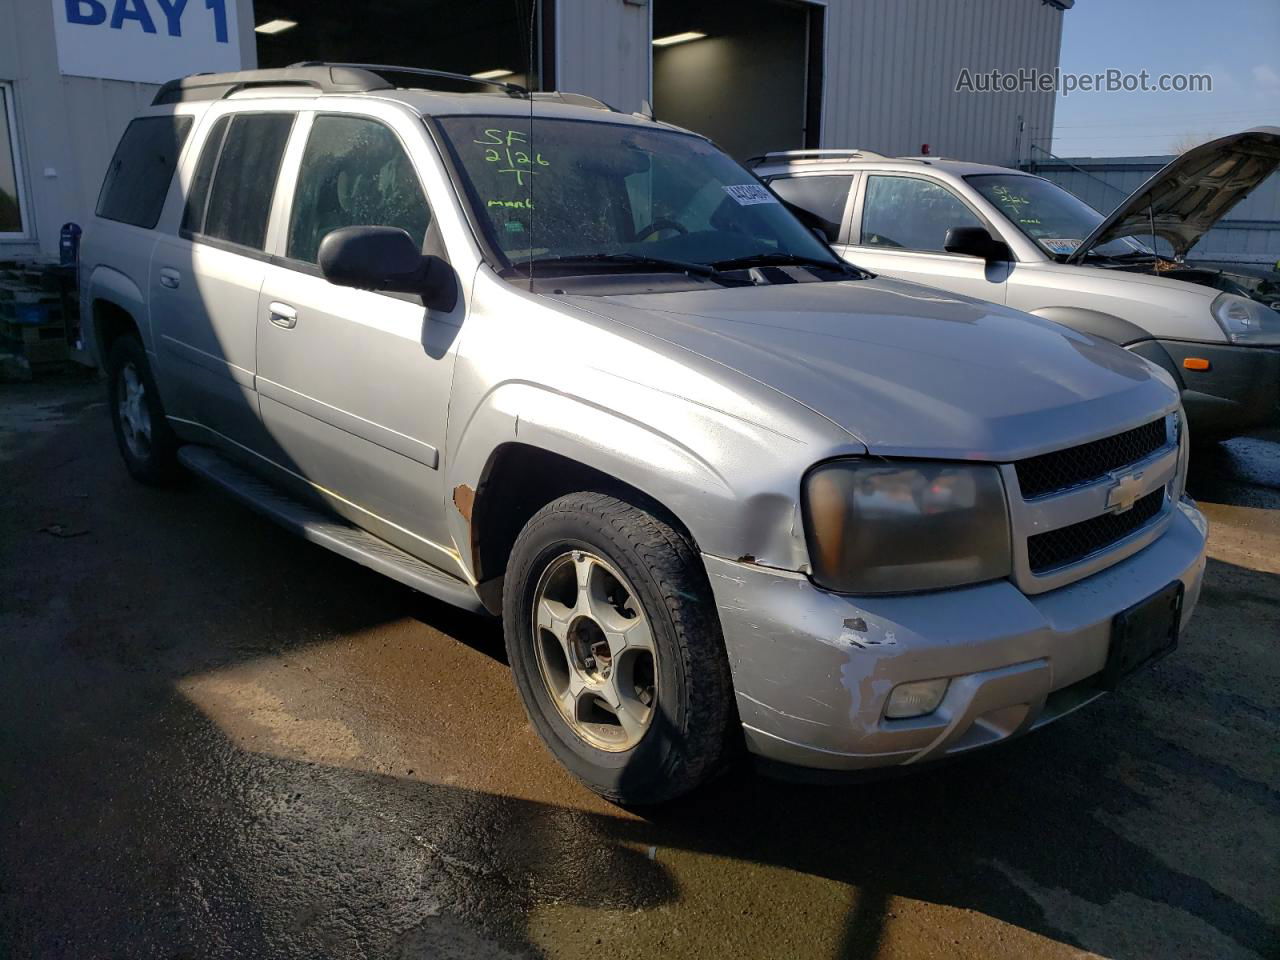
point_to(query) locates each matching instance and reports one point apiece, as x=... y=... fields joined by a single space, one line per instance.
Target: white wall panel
x=892 y=67
x=603 y=50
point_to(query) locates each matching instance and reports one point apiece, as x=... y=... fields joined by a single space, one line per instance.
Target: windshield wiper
x=629 y=259
x=783 y=260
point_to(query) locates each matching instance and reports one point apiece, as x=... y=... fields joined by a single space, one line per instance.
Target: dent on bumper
x=812 y=669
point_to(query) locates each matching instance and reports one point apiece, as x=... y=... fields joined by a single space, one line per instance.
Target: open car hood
x=1184 y=200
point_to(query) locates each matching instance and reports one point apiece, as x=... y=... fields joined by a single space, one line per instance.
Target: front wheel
x=616 y=649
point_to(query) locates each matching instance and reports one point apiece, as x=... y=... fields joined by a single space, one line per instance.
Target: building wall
x=1249 y=234
x=602 y=49
x=68 y=127
x=891 y=68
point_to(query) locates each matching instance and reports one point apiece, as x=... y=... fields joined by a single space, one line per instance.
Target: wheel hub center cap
x=590 y=649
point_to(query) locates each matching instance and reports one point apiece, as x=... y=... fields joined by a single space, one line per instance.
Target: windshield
x=1055 y=219
x=617 y=195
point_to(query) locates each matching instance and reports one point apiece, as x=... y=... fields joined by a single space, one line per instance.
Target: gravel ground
x=219 y=741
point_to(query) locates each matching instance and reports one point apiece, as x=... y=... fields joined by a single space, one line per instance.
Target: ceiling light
x=275 y=26
x=677 y=38
x=491 y=74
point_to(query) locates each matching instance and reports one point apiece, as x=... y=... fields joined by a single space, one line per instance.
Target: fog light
x=915 y=699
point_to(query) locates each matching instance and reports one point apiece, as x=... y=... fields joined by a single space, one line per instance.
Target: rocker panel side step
x=328 y=531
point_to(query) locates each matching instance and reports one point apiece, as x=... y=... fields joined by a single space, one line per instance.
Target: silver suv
x=580 y=370
x=1017 y=239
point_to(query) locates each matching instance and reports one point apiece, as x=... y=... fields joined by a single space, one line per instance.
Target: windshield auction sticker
x=1060 y=246
x=748 y=194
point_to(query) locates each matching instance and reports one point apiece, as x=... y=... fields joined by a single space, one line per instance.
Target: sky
x=1237 y=42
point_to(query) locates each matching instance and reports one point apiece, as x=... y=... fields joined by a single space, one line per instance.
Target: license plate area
x=1143 y=634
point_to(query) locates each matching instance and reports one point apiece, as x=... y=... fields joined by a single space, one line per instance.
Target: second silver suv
x=580 y=370
x=1018 y=239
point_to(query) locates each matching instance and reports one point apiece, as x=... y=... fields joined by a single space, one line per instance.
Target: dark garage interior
x=480 y=36
x=747 y=84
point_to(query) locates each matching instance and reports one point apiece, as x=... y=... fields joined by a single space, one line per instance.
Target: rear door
x=819 y=200
x=898 y=227
x=205 y=280
x=354 y=385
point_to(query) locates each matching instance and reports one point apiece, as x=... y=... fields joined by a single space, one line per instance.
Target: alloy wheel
x=595 y=651
x=135 y=415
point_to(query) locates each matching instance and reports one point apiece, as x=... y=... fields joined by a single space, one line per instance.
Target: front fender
x=1095 y=322
x=744 y=502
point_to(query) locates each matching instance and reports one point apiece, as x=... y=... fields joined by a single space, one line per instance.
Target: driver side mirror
x=976 y=242
x=386 y=259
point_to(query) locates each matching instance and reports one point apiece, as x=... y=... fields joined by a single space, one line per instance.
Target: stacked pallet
x=35 y=307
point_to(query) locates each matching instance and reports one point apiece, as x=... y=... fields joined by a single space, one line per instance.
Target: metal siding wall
x=1249 y=234
x=67 y=124
x=603 y=50
x=892 y=66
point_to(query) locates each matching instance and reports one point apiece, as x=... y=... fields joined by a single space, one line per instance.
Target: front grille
x=1057 y=548
x=1051 y=472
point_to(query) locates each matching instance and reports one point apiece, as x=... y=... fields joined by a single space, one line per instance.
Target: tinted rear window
x=140 y=172
x=818 y=201
x=245 y=181
x=198 y=194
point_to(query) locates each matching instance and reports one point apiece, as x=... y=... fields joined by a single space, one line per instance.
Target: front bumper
x=812 y=669
x=1240 y=391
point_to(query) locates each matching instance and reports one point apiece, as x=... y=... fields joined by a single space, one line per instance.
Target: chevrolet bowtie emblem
x=1124 y=494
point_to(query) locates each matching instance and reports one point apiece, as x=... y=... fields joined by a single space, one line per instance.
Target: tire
x=146 y=442
x=639 y=573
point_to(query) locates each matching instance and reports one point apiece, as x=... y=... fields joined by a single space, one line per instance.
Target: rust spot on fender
x=464 y=498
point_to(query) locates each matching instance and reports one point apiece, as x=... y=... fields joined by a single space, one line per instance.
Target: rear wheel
x=616 y=648
x=146 y=442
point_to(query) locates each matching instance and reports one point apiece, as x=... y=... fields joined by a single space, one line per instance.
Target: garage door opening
x=747 y=73
x=489 y=38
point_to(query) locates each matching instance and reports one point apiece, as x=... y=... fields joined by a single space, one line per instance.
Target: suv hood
x=1184 y=200
x=909 y=370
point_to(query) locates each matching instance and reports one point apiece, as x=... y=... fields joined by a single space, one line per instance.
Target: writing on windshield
x=550 y=189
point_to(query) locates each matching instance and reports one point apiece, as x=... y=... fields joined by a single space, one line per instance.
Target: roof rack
x=834 y=155
x=382 y=69
x=324 y=77
x=573 y=99
x=818 y=155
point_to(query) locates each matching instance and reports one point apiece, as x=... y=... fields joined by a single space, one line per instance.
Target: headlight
x=1246 y=321
x=894 y=526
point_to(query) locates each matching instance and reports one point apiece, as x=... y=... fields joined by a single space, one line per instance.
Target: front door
x=354 y=385
x=899 y=229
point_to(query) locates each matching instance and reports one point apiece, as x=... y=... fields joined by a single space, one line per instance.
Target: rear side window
x=818 y=202
x=354 y=173
x=138 y=178
x=198 y=194
x=243 y=179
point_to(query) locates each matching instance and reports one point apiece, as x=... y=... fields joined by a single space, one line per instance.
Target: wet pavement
x=219 y=741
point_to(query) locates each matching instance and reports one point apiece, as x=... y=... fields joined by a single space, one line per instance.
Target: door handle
x=170 y=278
x=283 y=315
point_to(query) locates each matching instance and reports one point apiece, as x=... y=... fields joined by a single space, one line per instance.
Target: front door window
x=910 y=213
